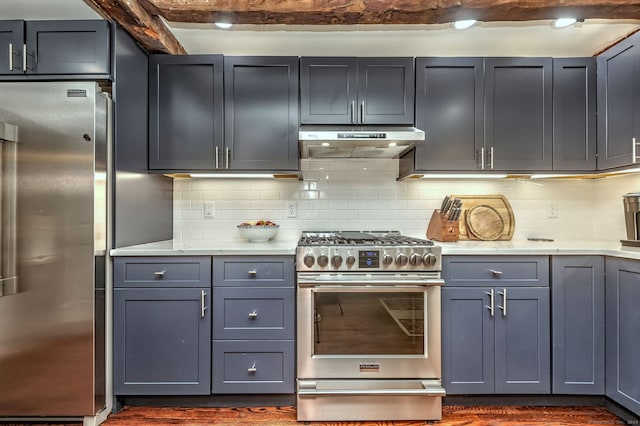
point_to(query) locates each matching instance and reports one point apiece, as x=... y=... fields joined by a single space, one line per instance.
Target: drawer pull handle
x=253 y=272
x=496 y=274
x=253 y=315
x=252 y=369
x=159 y=274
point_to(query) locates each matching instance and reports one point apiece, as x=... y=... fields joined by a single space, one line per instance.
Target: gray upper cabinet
x=185 y=112
x=55 y=48
x=356 y=91
x=518 y=114
x=623 y=332
x=574 y=114
x=619 y=104
x=261 y=113
x=578 y=337
x=450 y=108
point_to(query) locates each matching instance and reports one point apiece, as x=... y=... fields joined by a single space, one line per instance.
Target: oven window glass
x=369 y=323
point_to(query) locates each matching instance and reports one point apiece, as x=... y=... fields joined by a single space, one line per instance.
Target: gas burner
x=382 y=238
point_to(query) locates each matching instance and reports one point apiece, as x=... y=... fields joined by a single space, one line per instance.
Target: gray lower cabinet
x=623 y=332
x=260 y=114
x=162 y=326
x=578 y=336
x=495 y=325
x=55 y=48
x=253 y=324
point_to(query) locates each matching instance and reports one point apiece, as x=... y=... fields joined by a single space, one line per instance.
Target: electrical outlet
x=292 y=209
x=552 y=211
x=209 y=209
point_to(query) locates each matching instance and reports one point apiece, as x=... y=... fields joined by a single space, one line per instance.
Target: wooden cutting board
x=491 y=217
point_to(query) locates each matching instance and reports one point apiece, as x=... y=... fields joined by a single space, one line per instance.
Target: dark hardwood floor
x=283 y=416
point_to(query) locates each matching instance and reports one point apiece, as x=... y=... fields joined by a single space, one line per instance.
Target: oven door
x=363 y=329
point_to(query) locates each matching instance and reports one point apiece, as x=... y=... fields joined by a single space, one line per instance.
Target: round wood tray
x=484 y=222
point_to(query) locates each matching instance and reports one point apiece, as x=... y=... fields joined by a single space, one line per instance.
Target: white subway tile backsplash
x=364 y=194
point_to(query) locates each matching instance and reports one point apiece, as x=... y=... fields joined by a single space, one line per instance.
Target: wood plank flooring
x=285 y=416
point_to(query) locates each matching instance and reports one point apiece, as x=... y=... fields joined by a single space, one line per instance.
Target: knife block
x=440 y=229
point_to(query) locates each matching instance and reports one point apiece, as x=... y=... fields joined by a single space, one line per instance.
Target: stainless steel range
x=368 y=327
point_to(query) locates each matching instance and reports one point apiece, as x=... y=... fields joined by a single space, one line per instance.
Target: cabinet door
x=11 y=46
x=450 y=107
x=574 y=114
x=467 y=341
x=162 y=341
x=68 y=47
x=185 y=112
x=386 y=90
x=623 y=332
x=261 y=113
x=618 y=103
x=577 y=292
x=518 y=114
x=522 y=345
x=328 y=90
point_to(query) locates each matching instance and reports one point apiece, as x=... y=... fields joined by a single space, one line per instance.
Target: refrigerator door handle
x=8 y=259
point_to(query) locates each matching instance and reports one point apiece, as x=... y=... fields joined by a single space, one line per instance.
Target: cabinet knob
x=253 y=315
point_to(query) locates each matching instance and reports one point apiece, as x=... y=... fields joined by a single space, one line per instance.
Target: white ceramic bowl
x=258 y=233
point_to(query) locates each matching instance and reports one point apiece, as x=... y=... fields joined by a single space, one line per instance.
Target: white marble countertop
x=288 y=247
x=209 y=248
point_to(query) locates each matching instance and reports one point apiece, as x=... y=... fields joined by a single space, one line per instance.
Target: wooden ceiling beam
x=147 y=28
x=347 y=12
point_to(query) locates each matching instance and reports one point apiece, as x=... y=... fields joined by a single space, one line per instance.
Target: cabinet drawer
x=165 y=271
x=470 y=271
x=252 y=271
x=253 y=313
x=253 y=367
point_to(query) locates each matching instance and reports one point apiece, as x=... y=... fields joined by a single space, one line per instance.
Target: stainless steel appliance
x=357 y=142
x=368 y=312
x=54 y=229
x=631 y=202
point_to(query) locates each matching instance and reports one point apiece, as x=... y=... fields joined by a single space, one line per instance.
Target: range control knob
x=402 y=259
x=336 y=261
x=308 y=260
x=415 y=259
x=429 y=259
x=387 y=259
x=323 y=260
x=351 y=260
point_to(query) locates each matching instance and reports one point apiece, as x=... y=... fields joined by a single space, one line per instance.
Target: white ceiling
x=534 y=38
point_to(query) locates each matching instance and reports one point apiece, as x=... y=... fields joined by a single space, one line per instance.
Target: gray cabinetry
x=55 y=48
x=356 y=90
x=450 y=107
x=162 y=326
x=261 y=113
x=577 y=294
x=253 y=324
x=518 y=114
x=619 y=104
x=495 y=325
x=185 y=112
x=623 y=332
x=574 y=114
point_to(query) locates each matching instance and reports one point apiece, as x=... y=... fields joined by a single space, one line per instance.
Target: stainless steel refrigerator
x=53 y=209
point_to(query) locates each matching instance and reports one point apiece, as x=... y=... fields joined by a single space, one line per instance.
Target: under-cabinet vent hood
x=357 y=142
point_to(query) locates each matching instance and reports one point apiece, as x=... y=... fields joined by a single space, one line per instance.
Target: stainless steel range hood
x=357 y=142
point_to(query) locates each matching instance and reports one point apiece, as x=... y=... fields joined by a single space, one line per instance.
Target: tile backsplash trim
x=364 y=195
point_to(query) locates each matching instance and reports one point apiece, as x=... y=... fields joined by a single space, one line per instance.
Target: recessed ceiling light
x=564 y=22
x=223 y=25
x=464 y=24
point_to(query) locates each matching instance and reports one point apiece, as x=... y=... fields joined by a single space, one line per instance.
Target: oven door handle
x=373 y=284
x=426 y=391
